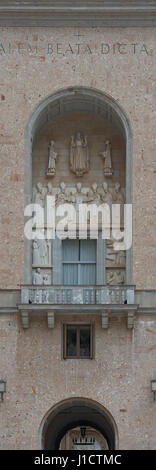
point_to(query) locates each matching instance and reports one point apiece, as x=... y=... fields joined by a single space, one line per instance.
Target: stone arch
x=72 y=412
x=75 y=98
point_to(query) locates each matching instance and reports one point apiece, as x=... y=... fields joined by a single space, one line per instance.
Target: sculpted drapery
x=79 y=156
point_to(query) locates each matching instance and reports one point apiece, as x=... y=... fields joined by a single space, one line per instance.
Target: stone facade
x=36 y=63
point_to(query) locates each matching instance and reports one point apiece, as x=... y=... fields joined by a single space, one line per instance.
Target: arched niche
x=73 y=412
x=62 y=103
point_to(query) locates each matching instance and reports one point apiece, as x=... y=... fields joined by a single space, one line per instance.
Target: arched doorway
x=87 y=419
x=83 y=438
x=64 y=102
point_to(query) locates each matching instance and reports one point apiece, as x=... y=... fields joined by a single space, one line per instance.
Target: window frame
x=100 y=262
x=77 y=326
x=79 y=263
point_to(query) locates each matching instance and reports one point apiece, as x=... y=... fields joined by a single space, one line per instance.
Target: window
x=79 y=262
x=78 y=342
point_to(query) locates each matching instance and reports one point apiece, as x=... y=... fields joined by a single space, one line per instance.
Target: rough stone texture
x=29 y=77
x=123 y=366
x=37 y=377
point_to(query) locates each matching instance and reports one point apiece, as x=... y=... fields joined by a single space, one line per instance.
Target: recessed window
x=78 y=342
x=79 y=262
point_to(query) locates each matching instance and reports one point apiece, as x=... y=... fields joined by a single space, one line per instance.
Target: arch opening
x=70 y=417
x=62 y=103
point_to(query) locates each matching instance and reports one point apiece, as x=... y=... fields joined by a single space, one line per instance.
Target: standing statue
x=52 y=159
x=107 y=157
x=79 y=156
x=41 y=252
x=44 y=252
x=36 y=252
x=37 y=277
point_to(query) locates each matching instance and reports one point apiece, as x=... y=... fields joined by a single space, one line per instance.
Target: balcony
x=79 y=295
x=104 y=300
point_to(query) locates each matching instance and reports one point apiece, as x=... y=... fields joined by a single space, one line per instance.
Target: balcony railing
x=74 y=295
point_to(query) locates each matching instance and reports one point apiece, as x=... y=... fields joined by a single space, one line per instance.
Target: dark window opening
x=78 y=342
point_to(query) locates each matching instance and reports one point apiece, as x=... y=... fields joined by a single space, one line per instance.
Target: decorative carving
x=93 y=195
x=41 y=252
x=114 y=258
x=47 y=252
x=107 y=157
x=49 y=189
x=39 y=194
x=36 y=252
x=62 y=196
x=52 y=159
x=97 y=194
x=46 y=279
x=115 y=277
x=37 y=277
x=118 y=194
x=38 y=296
x=79 y=156
x=79 y=195
x=105 y=193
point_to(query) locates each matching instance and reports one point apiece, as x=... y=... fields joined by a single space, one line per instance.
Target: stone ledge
x=64 y=14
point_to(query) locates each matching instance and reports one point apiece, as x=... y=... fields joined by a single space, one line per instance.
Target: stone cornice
x=78 y=14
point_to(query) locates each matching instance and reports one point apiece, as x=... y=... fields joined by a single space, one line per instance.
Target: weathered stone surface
x=36 y=63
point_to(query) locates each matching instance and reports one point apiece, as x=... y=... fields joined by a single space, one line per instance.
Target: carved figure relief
x=52 y=159
x=39 y=194
x=118 y=194
x=46 y=279
x=93 y=195
x=107 y=157
x=37 y=277
x=79 y=155
x=97 y=193
x=40 y=277
x=114 y=258
x=105 y=193
x=36 y=253
x=41 y=252
x=115 y=277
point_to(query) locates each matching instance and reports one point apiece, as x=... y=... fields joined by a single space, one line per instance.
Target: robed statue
x=52 y=159
x=107 y=157
x=79 y=156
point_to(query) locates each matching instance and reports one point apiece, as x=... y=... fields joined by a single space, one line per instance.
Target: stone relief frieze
x=76 y=193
